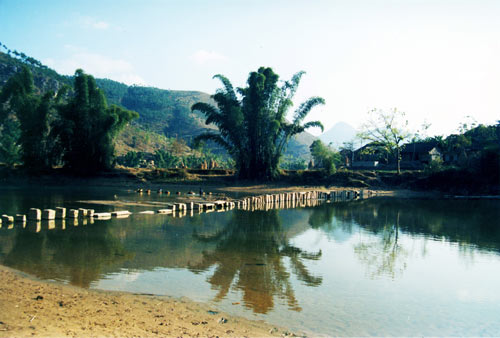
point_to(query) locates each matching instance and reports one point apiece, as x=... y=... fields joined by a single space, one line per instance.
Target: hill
x=341 y=132
x=164 y=114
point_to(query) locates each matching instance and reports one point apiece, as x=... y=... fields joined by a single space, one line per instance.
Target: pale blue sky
x=436 y=60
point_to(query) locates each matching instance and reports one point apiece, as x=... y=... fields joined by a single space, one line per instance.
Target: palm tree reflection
x=250 y=257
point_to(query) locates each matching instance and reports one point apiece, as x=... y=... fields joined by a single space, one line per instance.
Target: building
x=421 y=152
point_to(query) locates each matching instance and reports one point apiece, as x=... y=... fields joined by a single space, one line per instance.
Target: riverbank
x=208 y=180
x=33 y=308
x=456 y=182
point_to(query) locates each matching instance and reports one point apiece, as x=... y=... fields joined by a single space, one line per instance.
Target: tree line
x=166 y=159
x=73 y=127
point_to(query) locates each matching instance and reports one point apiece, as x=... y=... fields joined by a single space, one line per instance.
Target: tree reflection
x=384 y=255
x=471 y=224
x=77 y=254
x=249 y=257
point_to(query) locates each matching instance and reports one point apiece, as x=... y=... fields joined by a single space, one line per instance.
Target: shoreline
x=33 y=307
x=37 y=308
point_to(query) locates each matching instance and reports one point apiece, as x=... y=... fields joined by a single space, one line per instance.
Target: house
x=369 y=156
x=421 y=152
x=371 y=152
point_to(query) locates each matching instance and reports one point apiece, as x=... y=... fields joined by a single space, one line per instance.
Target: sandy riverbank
x=32 y=308
x=35 y=308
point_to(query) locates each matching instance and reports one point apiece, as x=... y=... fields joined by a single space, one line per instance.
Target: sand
x=33 y=308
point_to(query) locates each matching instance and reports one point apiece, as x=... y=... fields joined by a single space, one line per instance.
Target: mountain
x=341 y=132
x=163 y=114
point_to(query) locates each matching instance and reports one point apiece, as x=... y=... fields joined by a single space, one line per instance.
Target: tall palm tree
x=252 y=121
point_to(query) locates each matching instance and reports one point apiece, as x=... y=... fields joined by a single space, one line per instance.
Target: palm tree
x=252 y=121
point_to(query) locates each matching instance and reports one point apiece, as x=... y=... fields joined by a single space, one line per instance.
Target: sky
x=437 y=61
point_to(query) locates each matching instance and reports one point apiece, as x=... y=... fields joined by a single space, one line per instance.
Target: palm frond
x=294 y=82
x=306 y=107
x=209 y=110
x=314 y=124
x=217 y=138
x=228 y=86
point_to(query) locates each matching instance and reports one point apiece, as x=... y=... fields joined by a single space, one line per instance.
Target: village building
x=421 y=152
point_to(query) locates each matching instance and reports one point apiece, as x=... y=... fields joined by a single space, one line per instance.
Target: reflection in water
x=249 y=257
x=78 y=254
x=384 y=255
x=372 y=267
x=471 y=224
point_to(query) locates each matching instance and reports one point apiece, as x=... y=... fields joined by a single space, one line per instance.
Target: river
x=379 y=266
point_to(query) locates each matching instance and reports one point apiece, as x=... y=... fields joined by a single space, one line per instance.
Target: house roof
x=373 y=145
x=418 y=147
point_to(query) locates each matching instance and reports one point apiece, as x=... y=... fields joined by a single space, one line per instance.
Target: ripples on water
x=371 y=267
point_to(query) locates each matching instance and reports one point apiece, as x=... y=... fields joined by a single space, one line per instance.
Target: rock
x=35 y=214
x=82 y=212
x=120 y=213
x=20 y=218
x=102 y=215
x=38 y=297
x=6 y=219
x=48 y=214
x=60 y=212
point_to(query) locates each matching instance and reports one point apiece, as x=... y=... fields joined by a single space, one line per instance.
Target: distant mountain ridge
x=341 y=132
x=163 y=113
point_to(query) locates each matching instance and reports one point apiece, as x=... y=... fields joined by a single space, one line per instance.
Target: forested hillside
x=163 y=114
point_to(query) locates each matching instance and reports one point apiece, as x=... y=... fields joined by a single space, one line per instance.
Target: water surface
x=371 y=267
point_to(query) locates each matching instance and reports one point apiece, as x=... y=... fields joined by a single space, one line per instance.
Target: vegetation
x=75 y=131
x=10 y=151
x=166 y=159
x=87 y=126
x=253 y=126
x=34 y=114
x=292 y=163
x=324 y=157
x=165 y=115
x=387 y=129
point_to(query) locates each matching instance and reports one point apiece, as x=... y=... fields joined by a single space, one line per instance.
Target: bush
x=434 y=166
x=329 y=165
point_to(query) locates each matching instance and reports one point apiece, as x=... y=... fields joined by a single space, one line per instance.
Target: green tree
x=10 y=151
x=293 y=163
x=324 y=157
x=252 y=121
x=87 y=127
x=165 y=159
x=388 y=129
x=347 y=149
x=35 y=114
x=132 y=159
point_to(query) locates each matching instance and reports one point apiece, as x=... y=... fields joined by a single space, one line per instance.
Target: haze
x=435 y=60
